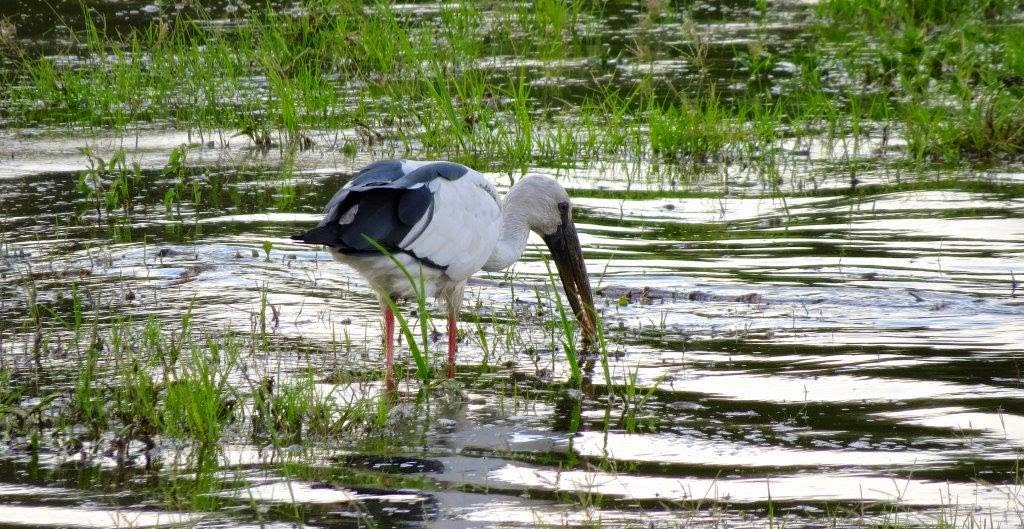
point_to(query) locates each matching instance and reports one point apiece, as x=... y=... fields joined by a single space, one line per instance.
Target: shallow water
x=800 y=353
x=877 y=364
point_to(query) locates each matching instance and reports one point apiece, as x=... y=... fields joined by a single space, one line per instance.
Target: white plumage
x=468 y=208
x=443 y=222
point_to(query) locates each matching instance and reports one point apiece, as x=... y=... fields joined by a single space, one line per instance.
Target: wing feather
x=377 y=173
x=464 y=226
x=444 y=214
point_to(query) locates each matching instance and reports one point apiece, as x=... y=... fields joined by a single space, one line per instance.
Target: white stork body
x=443 y=222
x=468 y=208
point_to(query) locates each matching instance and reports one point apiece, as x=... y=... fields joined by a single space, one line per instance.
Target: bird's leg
x=453 y=338
x=389 y=348
x=453 y=300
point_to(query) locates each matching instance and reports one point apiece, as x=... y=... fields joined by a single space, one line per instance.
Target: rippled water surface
x=801 y=352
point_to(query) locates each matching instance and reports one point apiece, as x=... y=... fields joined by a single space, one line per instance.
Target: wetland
x=803 y=222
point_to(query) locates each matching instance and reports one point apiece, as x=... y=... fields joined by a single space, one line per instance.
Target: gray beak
x=564 y=244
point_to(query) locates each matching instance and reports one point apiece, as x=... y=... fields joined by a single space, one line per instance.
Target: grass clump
x=286 y=413
x=989 y=128
x=199 y=401
x=697 y=131
x=951 y=71
x=889 y=13
x=145 y=383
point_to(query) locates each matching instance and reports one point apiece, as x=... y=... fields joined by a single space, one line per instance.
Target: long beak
x=564 y=244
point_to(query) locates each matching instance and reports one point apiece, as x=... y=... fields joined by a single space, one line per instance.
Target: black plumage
x=382 y=203
x=381 y=212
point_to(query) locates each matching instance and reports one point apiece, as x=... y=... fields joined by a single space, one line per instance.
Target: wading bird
x=443 y=222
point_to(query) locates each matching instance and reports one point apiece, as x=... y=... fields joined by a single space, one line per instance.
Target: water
x=796 y=353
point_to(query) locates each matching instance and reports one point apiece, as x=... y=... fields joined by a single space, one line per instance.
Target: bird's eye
x=563 y=207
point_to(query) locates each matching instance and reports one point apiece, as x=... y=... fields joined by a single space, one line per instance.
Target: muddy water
x=797 y=353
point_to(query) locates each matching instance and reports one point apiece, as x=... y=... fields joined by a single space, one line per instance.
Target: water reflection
x=807 y=343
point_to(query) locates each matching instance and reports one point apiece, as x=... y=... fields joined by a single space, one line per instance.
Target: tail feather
x=327 y=235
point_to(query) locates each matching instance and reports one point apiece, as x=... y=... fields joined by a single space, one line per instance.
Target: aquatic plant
x=162 y=344
x=427 y=80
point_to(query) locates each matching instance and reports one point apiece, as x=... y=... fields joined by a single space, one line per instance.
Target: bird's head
x=549 y=214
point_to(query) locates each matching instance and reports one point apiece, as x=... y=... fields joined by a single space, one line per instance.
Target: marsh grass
x=888 y=13
x=166 y=397
x=395 y=82
x=110 y=184
x=948 y=70
x=142 y=382
x=565 y=323
x=168 y=384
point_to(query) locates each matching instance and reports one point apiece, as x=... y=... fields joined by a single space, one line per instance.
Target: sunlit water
x=839 y=355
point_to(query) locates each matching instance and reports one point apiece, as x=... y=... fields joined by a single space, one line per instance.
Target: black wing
x=382 y=202
x=382 y=212
x=380 y=172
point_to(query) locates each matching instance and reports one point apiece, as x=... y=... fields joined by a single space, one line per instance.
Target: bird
x=443 y=222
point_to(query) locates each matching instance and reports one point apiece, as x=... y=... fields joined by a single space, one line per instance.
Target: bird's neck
x=515 y=230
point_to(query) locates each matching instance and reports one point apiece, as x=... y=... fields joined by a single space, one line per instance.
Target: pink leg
x=453 y=337
x=389 y=347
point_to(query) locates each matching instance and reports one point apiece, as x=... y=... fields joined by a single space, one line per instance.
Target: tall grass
x=948 y=69
x=397 y=83
x=419 y=350
x=887 y=13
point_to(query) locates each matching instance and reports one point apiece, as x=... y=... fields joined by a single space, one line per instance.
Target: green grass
x=943 y=75
x=698 y=131
x=949 y=69
x=880 y=14
x=144 y=380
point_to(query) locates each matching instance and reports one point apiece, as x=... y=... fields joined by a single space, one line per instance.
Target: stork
x=443 y=222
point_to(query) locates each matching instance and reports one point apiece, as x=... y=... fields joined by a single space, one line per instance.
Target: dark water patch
x=392 y=464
